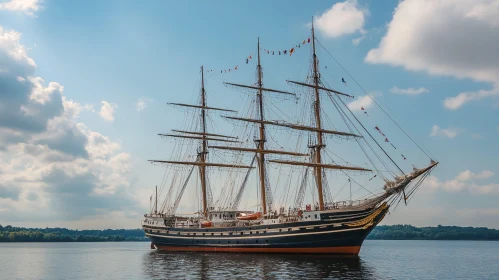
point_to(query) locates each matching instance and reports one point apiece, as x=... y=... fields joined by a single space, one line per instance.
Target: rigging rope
x=351 y=77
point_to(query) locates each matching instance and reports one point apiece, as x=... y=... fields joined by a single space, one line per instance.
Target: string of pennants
x=388 y=141
x=381 y=132
x=286 y=51
x=270 y=52
x=235 y=68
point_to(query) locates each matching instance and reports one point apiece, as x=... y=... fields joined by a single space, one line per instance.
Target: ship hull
x=317 y=237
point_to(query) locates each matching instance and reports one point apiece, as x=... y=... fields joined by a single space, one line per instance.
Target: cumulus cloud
x=27 y=6
x=53 y=168
x=447 y=37
x=10 y=48
x=341 y=19
x=73 y=109
x=409 y=91
x=142 y=103
x=468 y=175
x=360 y=102
x=459 y=100
x=445 y=132
x=107 y=111
x=462 y=183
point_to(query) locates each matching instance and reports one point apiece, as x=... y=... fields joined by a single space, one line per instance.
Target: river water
x=134 y=260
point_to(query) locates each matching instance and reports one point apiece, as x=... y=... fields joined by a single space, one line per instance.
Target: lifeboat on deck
x=249 y=217
x=206 y=224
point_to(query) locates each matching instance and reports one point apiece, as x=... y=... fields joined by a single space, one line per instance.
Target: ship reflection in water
x=160 y=265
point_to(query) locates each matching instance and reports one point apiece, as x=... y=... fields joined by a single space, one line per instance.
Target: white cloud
x=357 y=41
x=468 y=175
x=73 y=109
x=446 y=132
x=461 y=183
x=409 y=91
x=341 y=19
x=43 y=94
x=459 y=100
x=446 y=37
x=12 y=49
x=361 y=101
x=107 y=111
x=27 y=6
x=52 y=168
x=142 y=103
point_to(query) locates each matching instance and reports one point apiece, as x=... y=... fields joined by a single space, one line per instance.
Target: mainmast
x=317 y=111
x=203 y=152
x=261 y=140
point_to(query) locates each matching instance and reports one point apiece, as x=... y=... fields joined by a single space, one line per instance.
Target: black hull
x=327 y=236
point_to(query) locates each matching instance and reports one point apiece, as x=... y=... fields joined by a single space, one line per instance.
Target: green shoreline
x=394 y=232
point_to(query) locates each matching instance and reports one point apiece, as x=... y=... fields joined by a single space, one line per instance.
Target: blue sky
x=439 y=78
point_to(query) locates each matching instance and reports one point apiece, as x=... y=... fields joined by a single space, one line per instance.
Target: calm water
x=378 y=260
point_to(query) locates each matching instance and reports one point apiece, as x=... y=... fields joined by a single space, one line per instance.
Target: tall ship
x=295 y=210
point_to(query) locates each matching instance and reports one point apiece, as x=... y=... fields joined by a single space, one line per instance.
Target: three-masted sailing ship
x=326 y=226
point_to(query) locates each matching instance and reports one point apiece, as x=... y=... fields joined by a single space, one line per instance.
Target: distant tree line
x=21 y=234
x=408 y=232
x=395 y=232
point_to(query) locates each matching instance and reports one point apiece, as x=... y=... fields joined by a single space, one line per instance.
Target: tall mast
x=317 y=112
x=261 y=141
x=156 y=201
x=203 y=153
